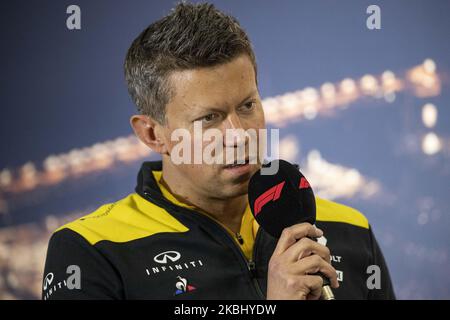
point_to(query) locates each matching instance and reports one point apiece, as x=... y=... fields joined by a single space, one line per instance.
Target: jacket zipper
x=250 y=265
x=239 y=238
x=253 y=265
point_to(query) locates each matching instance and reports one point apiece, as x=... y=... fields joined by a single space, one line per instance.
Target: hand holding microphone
x=295 y=264
x=284 y=206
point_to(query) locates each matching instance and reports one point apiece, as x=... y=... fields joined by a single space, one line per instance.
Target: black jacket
x=146 y=247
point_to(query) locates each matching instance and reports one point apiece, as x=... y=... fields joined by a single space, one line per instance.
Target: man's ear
x=150 y=132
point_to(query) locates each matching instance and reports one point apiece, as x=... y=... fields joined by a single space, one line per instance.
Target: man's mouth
x=236 y=164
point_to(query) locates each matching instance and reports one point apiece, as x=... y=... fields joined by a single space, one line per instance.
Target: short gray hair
x=191 y=36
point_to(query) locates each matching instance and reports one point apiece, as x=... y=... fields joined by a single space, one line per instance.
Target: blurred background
x=364 y=112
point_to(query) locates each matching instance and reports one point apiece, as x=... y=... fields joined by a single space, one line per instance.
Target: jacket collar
x=146 y=183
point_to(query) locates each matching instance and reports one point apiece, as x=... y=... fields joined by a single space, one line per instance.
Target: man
x=187 y=232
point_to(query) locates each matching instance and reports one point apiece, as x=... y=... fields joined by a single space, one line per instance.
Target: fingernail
x=319 y=232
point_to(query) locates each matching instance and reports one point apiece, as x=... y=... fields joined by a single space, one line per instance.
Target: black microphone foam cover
x=281 y=200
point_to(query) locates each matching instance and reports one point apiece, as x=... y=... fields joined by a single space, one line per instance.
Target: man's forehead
x=215 y=87
x=217 y=103
x=239 y=69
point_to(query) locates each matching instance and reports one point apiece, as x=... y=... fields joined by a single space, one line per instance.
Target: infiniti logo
x=167 y=255
x=48 y=280
x=168 y=261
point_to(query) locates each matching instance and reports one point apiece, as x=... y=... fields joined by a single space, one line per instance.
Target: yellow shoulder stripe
x=335 y=212
x=125 y=220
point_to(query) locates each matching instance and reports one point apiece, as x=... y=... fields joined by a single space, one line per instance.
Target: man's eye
x=209 y=117
x=249 y=106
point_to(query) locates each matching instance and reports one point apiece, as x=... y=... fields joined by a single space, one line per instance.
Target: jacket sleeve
x=75 y=269
x=385 y=290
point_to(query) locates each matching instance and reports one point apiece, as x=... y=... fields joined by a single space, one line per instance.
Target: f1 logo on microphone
x=270 y=195
x=304 y=184
x=273 y=194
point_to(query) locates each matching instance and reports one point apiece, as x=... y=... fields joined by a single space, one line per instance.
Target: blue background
x=63 y=89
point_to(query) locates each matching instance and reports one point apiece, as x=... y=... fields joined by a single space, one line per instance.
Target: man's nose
x=234 y=132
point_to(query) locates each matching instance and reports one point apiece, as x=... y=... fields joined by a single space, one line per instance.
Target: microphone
x=281 y=200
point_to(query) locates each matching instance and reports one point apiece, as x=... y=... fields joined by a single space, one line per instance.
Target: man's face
x=222 y=97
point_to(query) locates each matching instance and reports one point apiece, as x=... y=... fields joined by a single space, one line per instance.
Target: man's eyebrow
x=212 y=108
x=248 y=97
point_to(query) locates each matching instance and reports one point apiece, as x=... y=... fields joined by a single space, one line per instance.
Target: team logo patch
x=48 y=280
x=183 y=286
x=164 y=257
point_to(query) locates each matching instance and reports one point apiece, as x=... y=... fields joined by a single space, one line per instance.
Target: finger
x=304 y=248
x=290 y=235
x=314 y=286
x=312 y=265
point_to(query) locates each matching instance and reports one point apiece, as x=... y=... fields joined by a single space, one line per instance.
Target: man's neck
x=228 y=212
